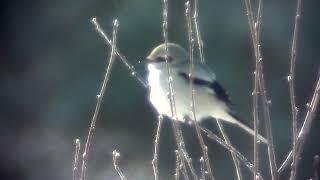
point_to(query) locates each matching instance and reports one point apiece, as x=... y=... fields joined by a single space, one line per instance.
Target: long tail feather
x=251 y=131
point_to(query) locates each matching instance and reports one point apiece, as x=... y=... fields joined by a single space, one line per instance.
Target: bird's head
x=175 y=54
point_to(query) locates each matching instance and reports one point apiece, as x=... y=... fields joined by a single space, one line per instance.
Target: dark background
x=52 y=63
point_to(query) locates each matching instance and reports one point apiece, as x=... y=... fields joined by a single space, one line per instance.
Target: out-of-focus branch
x=115 y=158
x=99 y=99
x=76 y=159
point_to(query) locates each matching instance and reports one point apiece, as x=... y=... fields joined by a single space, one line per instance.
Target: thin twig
x=305 y=129
x=230 y=148
x=198 y=33
x=176 y=129
x=123 y=59
x=77 y=145
x=99 y=100
x=202 y=169
x=291 y=78
x=192 y=92
x=259 y=71
x=115 y=158
x=255 y=90
x=156 y=148
x=285 y=162
x=178 y=165
x=233 y=155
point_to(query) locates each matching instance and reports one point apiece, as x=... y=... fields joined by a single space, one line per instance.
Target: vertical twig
x=178 y=165
x=291 y=78
x=198 y=33
x=99 y=100
x=202 y=169
x=76 y=159
x=259 y=72
x=231 y=149
x=115 y=158
x=202 y=60
x=305 y=129
x=156 y=147
x=255 y=92
x=192 y=92
x=176 y=130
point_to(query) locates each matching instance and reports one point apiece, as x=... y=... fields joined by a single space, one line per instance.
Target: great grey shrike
x=211 y=100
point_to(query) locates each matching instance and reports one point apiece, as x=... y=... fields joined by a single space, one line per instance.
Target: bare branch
x=192 y=91
x=178 y=165
x=156 y=147
x=233 y=155
x=197 y=29
x=115 y=158
x=230 y=148
x=99 y=100
x=123 y=59
x=76 y=159
x=177 y=132
x=291 y=78
x=202 y=169
x=254 y=30
x=305 y=129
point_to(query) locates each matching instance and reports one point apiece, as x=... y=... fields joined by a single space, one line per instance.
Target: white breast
x=158 y=96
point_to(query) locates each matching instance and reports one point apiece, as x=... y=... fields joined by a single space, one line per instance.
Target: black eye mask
x=162 y=59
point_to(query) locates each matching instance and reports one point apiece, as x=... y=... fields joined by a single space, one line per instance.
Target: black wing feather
x=220 y=92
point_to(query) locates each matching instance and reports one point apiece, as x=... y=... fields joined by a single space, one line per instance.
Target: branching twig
x=259 y=72
x=99 y=99
x=305 y=129
x=156 y=147
x=233 y=155
x=176 y=129
x=115 y=158
x=123 y=59
x=255 y=89
x=192 y=93
x=230 y=148
x=291 y=78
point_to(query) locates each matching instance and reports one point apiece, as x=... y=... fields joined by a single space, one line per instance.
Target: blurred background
x=53 y=61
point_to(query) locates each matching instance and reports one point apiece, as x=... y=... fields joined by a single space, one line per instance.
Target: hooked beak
x=147 y=60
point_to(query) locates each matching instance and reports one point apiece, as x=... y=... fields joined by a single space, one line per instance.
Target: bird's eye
x=162 y=59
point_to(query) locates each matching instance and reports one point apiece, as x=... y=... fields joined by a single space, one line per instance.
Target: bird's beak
x=147 y=60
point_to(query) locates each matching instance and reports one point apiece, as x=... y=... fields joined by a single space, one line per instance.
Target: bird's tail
x=251 y=131
x=245 y=127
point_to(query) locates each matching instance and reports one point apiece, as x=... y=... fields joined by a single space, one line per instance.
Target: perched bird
x=211 y=100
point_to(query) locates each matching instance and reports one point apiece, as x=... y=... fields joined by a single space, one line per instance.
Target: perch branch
x=99 y=100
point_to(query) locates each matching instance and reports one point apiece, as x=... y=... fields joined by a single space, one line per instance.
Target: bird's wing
x=213 y=85
x=200 y=71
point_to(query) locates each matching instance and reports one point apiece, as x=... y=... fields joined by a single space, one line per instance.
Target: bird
x=210 y=98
